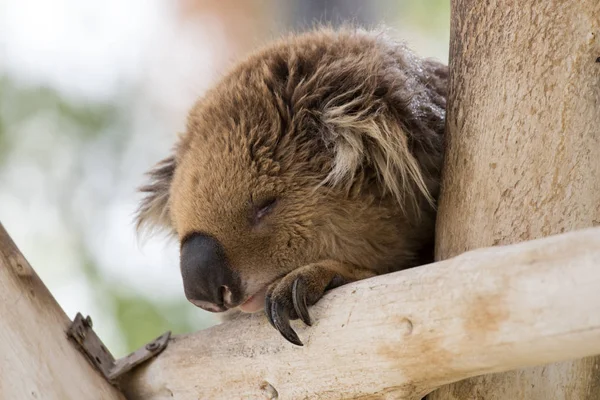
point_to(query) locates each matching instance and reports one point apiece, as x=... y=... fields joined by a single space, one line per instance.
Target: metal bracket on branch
x=81 y=332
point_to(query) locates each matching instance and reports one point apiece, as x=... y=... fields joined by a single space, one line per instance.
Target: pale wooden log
x=401 y=335
x=523 y=154
x=37 y=361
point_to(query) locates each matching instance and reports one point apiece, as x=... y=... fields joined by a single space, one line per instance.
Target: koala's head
x=323 y=146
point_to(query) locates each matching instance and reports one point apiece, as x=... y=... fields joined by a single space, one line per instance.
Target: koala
x=312 y=163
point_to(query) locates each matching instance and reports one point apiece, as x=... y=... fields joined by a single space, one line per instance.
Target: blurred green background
x=92 y=95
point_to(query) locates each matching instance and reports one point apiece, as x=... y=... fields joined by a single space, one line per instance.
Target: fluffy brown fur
x=316 y=160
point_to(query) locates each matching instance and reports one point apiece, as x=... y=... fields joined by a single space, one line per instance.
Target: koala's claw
x=299 y=300
x=288 y=298
x=279 y=317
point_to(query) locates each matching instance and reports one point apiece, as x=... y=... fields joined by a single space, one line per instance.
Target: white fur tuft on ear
x=153 y=212
x=368 y=138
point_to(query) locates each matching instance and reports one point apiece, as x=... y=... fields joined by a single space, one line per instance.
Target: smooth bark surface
x=37 y=361
x=523 y=154
x=401 y=335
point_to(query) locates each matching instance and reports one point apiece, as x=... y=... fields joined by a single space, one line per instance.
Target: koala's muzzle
x=208 y=280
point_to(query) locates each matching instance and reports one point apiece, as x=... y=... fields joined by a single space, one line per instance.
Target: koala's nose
x=208 y=280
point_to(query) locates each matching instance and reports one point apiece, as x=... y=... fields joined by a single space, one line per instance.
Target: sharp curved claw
x=282 y=324
x=280 y=320
x=268 y=310
x=299 y=300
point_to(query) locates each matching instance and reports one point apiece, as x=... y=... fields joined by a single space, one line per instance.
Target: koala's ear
x=400 y=140
x=377 y=142
x=153 y=212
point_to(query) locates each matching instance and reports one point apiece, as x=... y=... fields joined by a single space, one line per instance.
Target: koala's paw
x=288 y=299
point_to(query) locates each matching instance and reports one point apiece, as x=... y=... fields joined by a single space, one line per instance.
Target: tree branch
x=36 y=358
x=402 y=334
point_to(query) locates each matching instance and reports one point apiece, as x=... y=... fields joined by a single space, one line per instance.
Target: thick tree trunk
x=523 y=154
x=37 y=361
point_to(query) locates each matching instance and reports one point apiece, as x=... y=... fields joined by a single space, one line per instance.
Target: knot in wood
x=269 y=390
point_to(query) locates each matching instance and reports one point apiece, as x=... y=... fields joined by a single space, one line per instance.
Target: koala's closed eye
x=262 y=208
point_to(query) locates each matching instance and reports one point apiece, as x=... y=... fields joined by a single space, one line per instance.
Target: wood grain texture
x=523 y=151
x=37 y=361
x=400 y=335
